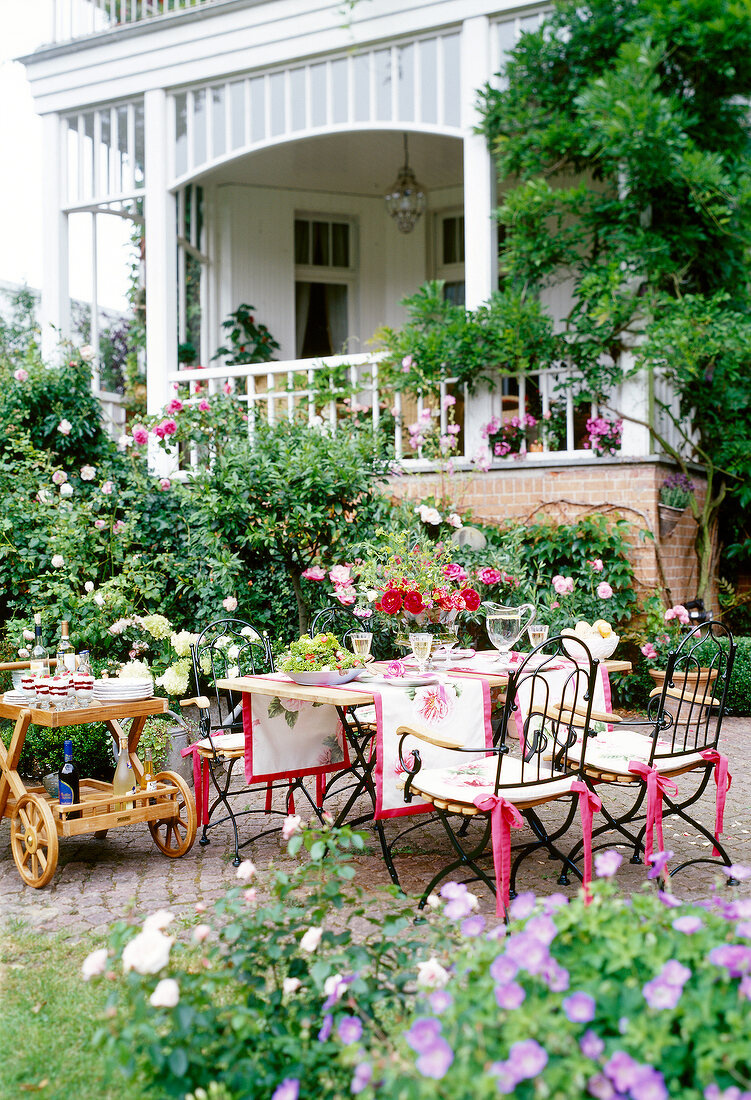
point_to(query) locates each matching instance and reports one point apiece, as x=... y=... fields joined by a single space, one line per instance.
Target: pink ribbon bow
x=503 y=817
x=723 y=779
x=657 y=786
x=589 y=804
x=200 y=782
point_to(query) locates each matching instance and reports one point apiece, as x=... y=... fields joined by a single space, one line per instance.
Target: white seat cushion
x=463 y=783
x=366 y=714
x=223 y=743
x=612 y=751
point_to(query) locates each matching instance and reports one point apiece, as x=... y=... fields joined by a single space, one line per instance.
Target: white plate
x=408 y=681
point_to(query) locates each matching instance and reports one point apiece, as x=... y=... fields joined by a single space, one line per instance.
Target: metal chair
x=680 y=735
x=227 y=648
x=549 y=701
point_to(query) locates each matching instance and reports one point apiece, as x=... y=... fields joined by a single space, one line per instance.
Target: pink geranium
x=140 y=434
x=314 y=573
x=165 y=484
x=604 y=591
x=563 y=585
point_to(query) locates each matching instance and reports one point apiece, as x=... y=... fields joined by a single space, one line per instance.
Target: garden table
x=37 y=819
x=360 y=737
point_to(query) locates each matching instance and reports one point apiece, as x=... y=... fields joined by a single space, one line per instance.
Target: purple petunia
x=591 y=1045
x=556 y=976
x=607 y=863
x=743 y=928
x=288 y=1090
x=674 y=973
x=688 y=925
x=435 y=1061
x=440 y=1000
x=349 y=1029
x=425 y=1031
x=509 y=996
x=326 y=1028
x=527 y=1059
x=579 y=1008
x=503 y=969
x=361 y=1077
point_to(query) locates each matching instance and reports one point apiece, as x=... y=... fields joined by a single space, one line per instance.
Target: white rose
x=94 y=964
x=99 y=599
x=311 y=939
x=89 y=586
x=24 y=654
x=28 y=635
x=88 y=473
x=58 y=561
x=246 y=870
x=166 y=994
x=201 y=932
x=65 y=427
x=291 y=985
x=87 y=353
x=292 y=825
x=66 y=490
x=160 y=919
x=431 y=975
x=455 y=520
x=148 y=952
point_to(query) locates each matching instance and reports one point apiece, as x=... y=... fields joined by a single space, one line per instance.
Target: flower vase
x=429 y=621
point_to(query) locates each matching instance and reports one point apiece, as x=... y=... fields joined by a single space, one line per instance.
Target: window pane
x=321 y=256
x=318 y=95
x=140 y=150
x=362 y=87
x=257 y=109
x=297 y=97
x=122 y=143
x=276 y=91
x=449 y=241
x=451 y=63
x=199 y=127
x=218 y=121
x=340 y=96
x=383 y=84
x=302 y=242
x=237 y=113
x=429 y=81
x=406 y=70
x=340 y=244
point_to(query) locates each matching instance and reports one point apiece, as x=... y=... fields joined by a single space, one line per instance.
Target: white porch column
x=55 y=306
x=480 y=229
x=161 y=262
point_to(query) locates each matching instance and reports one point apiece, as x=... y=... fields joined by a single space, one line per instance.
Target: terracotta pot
x=668 y=517
x=688 y=710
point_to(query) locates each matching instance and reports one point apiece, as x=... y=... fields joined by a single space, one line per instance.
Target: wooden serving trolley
x=37 y=820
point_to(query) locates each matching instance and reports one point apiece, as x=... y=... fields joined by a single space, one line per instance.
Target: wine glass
x=450 y=638
x=537 y=633
x=421 y=647
x=361 y=642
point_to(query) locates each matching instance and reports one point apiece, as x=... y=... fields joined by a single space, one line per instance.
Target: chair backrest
x=691 y=703
x=227 y=648
x=548 y=706
x=342 y=622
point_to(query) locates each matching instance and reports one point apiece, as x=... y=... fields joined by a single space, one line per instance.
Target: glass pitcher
x=505 y=625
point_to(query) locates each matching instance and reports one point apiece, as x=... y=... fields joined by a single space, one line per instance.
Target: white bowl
x=600 y=648
x=324 y=679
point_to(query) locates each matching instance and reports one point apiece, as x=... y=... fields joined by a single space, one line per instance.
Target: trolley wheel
x=33 y=840
x=174 y=836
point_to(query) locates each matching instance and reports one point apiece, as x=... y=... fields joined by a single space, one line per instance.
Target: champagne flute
x=361 y=642
x=421 y=647
x=538 y=633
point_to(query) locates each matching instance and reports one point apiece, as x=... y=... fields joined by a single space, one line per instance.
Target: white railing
x=80 y=18
x=288 y=390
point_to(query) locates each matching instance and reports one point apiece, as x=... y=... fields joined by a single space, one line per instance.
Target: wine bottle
x=148 y=782
x=68 y=782
x=66 y=654
x=39 y=663
x=123 y=781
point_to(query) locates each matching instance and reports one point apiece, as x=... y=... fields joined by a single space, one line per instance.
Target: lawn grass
x=49 y=1016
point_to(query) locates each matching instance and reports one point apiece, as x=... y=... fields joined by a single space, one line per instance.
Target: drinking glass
x=538 y=633
x=421 y=647
x=361 y=642
x=43 y=693
x=450 y=638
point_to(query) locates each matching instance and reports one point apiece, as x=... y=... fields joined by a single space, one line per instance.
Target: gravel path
x=99 y=881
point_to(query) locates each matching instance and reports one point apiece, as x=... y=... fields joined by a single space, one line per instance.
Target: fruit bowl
x=600 y=648
x=324 y=679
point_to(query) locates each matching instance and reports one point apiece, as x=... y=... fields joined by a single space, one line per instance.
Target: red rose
x=391 y=602
x=414 y=603
x=471 y=598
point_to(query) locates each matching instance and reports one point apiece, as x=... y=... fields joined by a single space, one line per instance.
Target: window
x=449 y=252
x=324 y=286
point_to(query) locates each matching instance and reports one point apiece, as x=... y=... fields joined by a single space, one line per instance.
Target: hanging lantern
x=405 y=200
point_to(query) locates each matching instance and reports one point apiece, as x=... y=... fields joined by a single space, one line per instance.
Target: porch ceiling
x=359 y=163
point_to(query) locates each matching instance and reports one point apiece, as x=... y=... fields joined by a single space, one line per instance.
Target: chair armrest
x=579 y=714
x=199 y=701
x=430 y=738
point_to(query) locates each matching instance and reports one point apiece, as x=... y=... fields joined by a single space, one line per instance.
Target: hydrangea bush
x=610 y=997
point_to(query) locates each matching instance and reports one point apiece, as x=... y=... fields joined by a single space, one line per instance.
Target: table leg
x=10 y=781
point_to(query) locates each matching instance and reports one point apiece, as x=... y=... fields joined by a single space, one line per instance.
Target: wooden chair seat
x=227 y=746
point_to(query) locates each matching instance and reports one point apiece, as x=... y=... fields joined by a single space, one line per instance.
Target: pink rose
x=563 y=585
x=170 y=427
x=100 y=524
x=229 y=604
x=140 y=434
x=596 y=565
x=340 y=575
x=395 y=670
x=604 y=591
x=486 y=575
x=362 y=612
x=65 y=427
x=20 y=375
x=204 y=405
x=407 y=362
x=414 y=603
x=649 y=650
x=314 y=573
x=678 y=612
x=59 y=477
x=159 y=431
x=454 y=572
x=175 y=406
x=448 y=401
x=165 y=484
x=346 y=594
x=227 y=387
x=107 y=488
x=117 y=527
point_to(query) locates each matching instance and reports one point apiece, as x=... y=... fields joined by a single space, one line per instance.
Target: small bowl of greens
x=320 y=661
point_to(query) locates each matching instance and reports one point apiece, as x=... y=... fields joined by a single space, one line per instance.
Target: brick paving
x=99 y=881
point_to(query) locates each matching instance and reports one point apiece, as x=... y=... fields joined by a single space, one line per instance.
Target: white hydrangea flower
x=182 y=641
x=174 y=679
x=136 y=670
x=158 y=626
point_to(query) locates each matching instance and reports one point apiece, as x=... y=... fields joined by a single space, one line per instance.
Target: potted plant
x=665 y=633
x=676 y=492
x=511 y=436
x=603 y=435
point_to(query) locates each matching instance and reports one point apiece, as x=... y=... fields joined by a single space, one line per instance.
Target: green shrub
x=635 y=997
x=43 y=750
x=739 y=690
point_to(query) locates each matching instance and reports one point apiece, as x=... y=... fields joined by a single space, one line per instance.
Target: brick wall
x=535 y=488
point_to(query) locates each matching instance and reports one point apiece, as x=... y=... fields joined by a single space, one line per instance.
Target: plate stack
x=17 y=698
x=125 y=690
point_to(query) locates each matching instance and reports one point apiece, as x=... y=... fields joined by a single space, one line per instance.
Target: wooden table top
x=79 y=716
